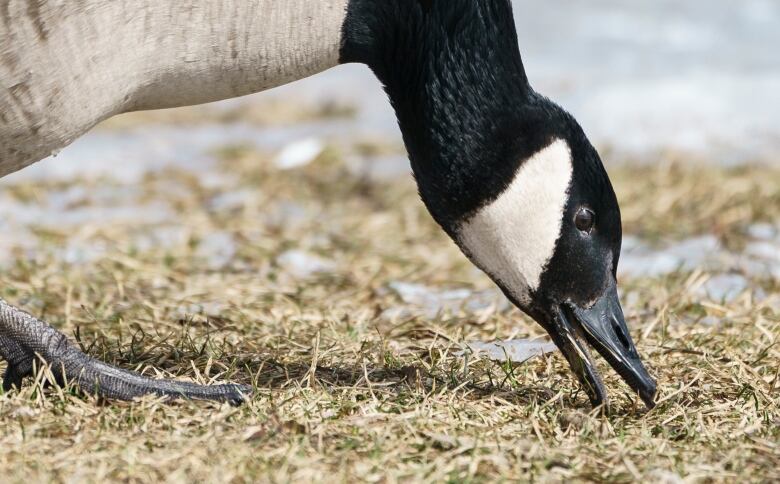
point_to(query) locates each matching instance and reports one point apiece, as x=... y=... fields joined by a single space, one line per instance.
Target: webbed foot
x=25 y=339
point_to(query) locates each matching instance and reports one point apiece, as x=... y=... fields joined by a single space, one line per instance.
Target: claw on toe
x=19 y=367
x=16 y=372
x=238 y=394
x=12 y=379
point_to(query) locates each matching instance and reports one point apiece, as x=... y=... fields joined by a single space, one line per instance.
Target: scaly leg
x=23 y=338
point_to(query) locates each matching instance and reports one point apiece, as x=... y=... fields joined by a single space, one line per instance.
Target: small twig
x=722 y=359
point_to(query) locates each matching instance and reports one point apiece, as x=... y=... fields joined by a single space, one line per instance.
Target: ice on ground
x=709 y=321
x=761 y=261
x=424 y=296
x=78 y=251
x=288 y=214
x=299 y=153
x=724 y=288
x=640 y=260
x=760 y=258
x=764 y=250
x=663 y=476
x=127 y=156
x=218 y=249
x=165 y=237
x=516 y=351
x=206 y=308
x=232 y=200
x=66 y=210
x=16 y=244
x=380 y=168
x=302 y=264
x=763 y=231
x=420 y=300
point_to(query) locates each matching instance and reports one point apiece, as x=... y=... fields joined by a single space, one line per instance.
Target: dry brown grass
x=345 y=394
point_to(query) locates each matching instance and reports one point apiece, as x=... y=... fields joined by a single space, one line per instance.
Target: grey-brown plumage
x=65 y=65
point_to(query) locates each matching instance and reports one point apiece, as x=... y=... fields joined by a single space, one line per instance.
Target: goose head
x=548 y=232
x=509 y=175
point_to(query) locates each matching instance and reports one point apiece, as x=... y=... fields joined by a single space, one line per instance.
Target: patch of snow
x=487 y=299
x=663 y=476
x=218 y=249
x=79 y=251
x=232 y=200
x=216 y=180
x=302 y=265
x=424 y=296
x=428 y=302
x=288 y=214
x=724 y=287
x=61 y=215
x=762 y=231
x=709 y=321
x=299 y=153
x=380 y=168
x=164 y=237
x=516 y=351
x=762 y=259
x=639 y=260
x=764 y=250
x=208 y=308
x=15 y=249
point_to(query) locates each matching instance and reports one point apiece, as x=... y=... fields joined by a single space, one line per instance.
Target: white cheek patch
x=513 y=238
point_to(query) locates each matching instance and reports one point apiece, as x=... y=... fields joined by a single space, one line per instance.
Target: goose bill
x=603 y=327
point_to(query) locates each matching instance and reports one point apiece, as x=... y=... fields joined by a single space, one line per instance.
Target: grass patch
x=345 y=393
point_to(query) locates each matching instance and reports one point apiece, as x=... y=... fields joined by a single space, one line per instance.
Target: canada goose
x=509 y=175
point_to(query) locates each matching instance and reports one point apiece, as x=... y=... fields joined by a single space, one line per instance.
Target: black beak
x=604 y=327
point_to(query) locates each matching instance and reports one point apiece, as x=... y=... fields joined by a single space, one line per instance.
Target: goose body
x=509 y=175
x=66 y=66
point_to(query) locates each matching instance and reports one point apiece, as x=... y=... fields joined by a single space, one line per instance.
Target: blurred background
x=285 y=224
x=701 y=77
x=662 y=82
x=693 y=86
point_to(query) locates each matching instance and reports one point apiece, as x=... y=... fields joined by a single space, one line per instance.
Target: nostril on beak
x=621 y=335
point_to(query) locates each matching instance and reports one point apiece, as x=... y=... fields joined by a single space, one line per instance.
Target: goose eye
x=585 y=219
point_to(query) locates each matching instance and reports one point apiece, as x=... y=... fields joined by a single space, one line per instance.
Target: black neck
x=454 y=75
